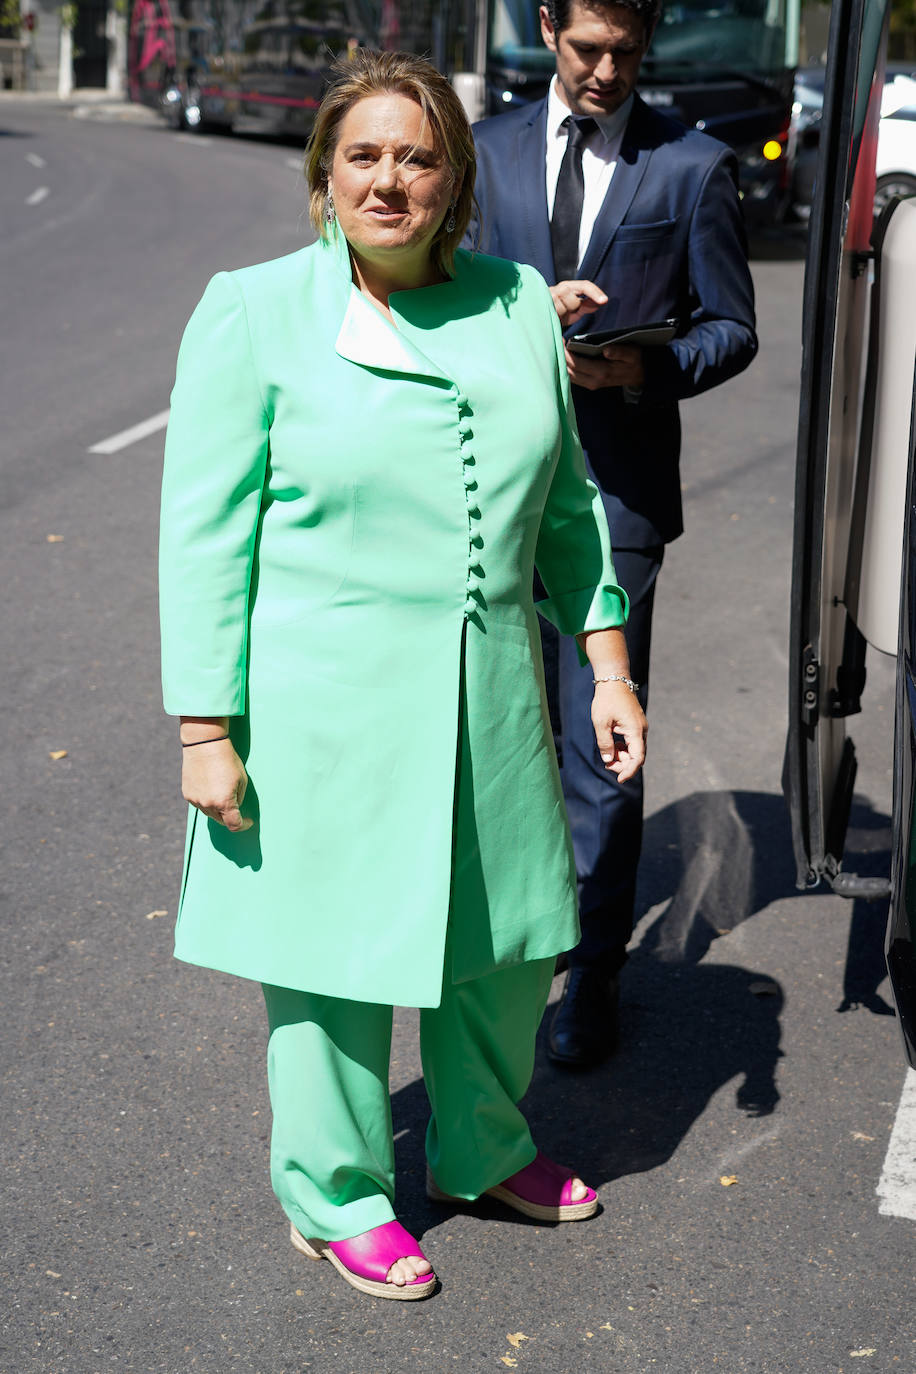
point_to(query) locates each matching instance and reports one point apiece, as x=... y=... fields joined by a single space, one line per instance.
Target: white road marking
x=38 y=195
x=35 y=160
x=897 y=1187
x=132 y=435
x=201 y=140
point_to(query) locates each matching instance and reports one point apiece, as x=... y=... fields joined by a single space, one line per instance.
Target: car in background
x=895 y=165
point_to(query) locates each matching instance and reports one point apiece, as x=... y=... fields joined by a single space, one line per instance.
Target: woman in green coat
x=370 y=448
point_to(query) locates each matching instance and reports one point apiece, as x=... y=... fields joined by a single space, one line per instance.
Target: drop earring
x=450 y=222
x=329 y=207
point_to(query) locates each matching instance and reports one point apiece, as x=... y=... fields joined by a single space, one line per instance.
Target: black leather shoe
x=585 y=1024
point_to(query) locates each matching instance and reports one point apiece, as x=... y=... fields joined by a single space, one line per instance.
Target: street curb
x=122 y=112
x=86 y=104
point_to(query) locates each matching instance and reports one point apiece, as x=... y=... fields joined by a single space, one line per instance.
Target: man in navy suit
x=632 y=218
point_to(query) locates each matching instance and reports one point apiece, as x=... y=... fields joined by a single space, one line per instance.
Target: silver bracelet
x=616 y=677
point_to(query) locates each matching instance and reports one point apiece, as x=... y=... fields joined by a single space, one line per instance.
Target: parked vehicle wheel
x=893 y=185
x=191 y=117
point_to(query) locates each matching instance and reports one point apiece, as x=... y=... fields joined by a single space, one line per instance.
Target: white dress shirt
x=599 y=158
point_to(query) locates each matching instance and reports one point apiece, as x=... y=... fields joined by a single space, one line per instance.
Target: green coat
x=351 y=517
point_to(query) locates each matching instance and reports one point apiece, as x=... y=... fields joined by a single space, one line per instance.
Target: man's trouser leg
x=605 y=817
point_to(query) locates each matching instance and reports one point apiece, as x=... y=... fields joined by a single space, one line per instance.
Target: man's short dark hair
x=648 y=10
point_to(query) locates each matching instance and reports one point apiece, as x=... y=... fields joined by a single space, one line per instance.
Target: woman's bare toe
x=579 y=1190
x=407 y=1269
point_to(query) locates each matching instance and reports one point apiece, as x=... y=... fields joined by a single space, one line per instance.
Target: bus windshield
x=744 y=38
x=758 y=38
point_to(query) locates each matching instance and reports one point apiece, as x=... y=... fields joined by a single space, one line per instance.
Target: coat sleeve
x=720 y=340
x=215 y=464
x=573 y=554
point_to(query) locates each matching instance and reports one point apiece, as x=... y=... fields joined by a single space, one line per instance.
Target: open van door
x=854 y=488
x=901 y=926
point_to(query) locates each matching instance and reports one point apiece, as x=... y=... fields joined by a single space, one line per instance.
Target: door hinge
x=859 y=261
x=810 y=694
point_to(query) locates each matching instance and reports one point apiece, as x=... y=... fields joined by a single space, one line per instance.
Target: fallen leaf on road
x=854 y=1354
x=56 y=754
x=508 y=1360
x=151 y=914
x=51 y=1274
x=764 y=989
x=54 y=538
x=606 y=1327
x=859 y=1135
x=515 y=1339
x=728 y=1180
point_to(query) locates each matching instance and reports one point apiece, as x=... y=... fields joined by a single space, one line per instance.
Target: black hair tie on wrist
x=194 y=742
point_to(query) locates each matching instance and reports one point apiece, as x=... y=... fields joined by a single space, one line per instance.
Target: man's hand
x=621 y=365
x=576 y=299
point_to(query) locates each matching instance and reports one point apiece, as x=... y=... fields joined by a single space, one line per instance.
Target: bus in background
x=724 y=66
x=261 y=65
x=854 y=551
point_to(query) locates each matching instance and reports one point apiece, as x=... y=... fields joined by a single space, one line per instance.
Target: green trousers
x=332 y=1150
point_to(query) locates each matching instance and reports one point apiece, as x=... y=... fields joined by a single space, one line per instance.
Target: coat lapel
x=635 y=152
x=365 y=337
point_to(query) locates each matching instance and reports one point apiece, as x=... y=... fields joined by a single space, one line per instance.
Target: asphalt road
x=139 y=1230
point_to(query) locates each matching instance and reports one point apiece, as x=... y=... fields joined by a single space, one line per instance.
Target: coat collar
x=365 y=337
x=368 y=339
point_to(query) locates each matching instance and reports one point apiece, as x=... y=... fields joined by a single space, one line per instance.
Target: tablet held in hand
x=638 y=335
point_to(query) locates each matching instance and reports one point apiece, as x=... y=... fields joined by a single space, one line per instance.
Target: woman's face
x=391 y=186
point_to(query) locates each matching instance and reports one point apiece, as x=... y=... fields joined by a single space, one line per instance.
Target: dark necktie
x=567 y=202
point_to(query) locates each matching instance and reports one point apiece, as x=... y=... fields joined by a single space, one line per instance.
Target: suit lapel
x=531 y=192
x=635 y=151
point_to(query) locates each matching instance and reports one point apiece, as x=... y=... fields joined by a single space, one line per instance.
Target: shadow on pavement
x=711 y=861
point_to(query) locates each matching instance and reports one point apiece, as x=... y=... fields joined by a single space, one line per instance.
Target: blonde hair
x=367 y=73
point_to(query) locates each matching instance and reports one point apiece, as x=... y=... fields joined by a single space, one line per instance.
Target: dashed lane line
x=897 y=1187
x=133 y=435
x=35 y=160
x=38 y=195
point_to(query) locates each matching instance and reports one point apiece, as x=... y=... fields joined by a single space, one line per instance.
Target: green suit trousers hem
x=332 y=1148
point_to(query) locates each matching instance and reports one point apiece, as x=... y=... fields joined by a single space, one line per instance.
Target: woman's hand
x=213 y=777
x=616 y=711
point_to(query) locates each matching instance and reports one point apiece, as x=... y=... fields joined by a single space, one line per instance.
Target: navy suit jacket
x=668 y=241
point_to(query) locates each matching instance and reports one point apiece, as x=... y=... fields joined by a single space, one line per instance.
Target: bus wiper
x=706 y=68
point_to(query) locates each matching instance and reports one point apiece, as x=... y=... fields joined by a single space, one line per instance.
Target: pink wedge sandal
x=365 y=1260
x=542 y=1190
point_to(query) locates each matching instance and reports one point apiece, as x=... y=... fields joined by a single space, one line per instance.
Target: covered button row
x=473 y=603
